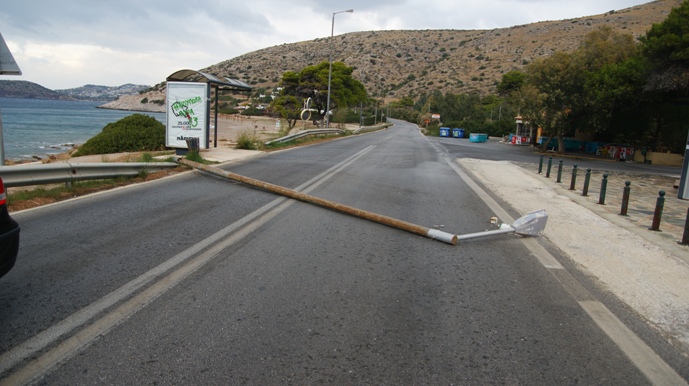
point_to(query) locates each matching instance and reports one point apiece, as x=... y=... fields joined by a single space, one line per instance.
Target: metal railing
x=38 y=174
x=305 y=133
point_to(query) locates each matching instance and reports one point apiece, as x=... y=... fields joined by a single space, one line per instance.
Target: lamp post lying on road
x=330 y=70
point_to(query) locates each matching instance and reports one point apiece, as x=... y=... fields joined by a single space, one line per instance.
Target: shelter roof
x=202 y=77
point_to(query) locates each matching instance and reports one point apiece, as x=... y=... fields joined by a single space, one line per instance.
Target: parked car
x=9 y=235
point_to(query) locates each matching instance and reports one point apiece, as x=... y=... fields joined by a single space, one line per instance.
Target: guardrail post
x=658 y=213
x=559 y=172
x=587 y=180
x=573 y=182
x=603 y=189
x=550 y=164
x=540 y=165
x=685 y=238
x=625 y=198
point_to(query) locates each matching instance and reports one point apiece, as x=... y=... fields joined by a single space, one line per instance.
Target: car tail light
x=3 y=195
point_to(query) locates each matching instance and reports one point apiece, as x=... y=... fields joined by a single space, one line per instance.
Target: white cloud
x=69 y=44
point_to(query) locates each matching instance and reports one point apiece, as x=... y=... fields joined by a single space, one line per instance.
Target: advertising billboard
x=187 y=114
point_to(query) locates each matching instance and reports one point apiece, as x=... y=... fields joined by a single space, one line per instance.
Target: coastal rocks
x=153 y=101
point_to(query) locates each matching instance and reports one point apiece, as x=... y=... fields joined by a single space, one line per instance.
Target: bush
x=228 y=110
x=137 y=132
x=247 y=140
x=253 y=111
x=346 y=115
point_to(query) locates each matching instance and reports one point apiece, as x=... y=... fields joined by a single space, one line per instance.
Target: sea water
x=39 y=127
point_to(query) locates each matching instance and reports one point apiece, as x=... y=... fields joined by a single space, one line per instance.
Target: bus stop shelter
x=179 y=107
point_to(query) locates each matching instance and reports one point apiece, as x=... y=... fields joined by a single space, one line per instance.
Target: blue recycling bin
x=445 y=132
x=457 y=133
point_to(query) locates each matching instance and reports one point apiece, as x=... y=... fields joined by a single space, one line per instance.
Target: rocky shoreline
x=149 y=102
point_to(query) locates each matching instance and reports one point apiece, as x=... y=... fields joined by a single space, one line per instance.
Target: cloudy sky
x=70 y=43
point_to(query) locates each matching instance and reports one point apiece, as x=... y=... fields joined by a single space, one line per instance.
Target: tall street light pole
x=330 y=70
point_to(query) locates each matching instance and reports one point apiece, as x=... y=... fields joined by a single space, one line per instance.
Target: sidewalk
x=644 y=192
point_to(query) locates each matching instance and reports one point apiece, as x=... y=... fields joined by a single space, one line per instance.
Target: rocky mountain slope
x=393 y=64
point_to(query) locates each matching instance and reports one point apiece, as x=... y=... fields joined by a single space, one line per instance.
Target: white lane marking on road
x=643 y=357
x=40 y=341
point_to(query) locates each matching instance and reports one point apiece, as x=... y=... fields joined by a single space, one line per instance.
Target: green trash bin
x=478 y=137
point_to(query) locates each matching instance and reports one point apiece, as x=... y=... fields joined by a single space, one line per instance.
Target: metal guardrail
x=37 y=174
x=305 y=133
x=366 y=129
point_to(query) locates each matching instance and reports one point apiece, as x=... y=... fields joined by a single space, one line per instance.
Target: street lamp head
x=348 y=11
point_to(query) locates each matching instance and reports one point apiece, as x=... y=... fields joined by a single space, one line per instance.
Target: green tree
x=666 y=49
x=287 y=107
x=312 y=82
x=667 y=43
x=554 y=80
x=564 y=83
x=511 y=82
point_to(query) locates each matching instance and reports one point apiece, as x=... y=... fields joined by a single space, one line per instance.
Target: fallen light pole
x=531 y=224
x=389 y=221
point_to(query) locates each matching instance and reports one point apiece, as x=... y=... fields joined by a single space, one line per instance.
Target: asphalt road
x=199 y=280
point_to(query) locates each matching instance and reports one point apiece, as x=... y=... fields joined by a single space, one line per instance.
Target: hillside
x=400 y=63
x=29 y=90
x=393 y=64
x=91 y=92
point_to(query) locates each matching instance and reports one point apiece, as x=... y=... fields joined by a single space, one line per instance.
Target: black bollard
x=685 y=238
x=559 y=172
x=587 y=179
x=573 y=182
x=550 y=164
x=603 y=189
x=540 y=165
x=625 y=198
x=660 y=203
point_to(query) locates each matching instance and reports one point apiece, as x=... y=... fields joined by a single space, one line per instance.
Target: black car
x=9 y=235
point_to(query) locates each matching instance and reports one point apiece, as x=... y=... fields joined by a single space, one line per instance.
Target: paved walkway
x=644 y=193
